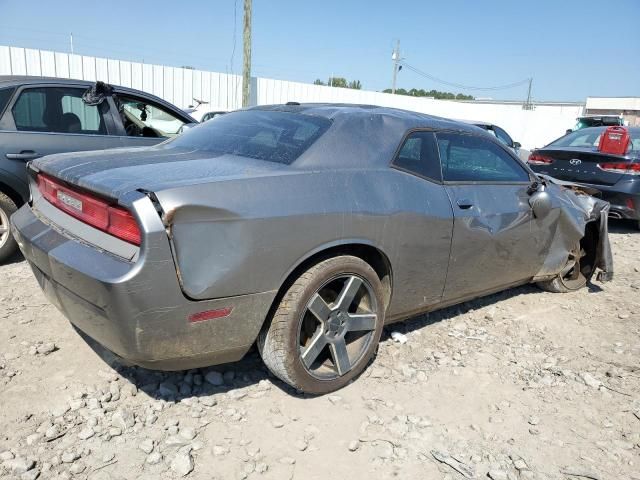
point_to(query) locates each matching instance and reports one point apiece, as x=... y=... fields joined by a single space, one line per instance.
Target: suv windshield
x=262 y=134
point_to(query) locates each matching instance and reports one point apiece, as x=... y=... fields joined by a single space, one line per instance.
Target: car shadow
x=623 y=226
x=17 y=257
x=424 y=320
x=250 y=371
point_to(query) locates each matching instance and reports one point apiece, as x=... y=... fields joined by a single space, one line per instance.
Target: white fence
x=223 y=91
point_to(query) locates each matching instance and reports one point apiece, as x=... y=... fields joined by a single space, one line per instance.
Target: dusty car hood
x=116 y=172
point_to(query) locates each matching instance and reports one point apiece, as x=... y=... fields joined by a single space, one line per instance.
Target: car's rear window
x=5 y=95
x=265 y=135
x=589 y=138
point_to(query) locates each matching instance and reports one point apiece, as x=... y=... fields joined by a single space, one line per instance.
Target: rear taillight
x=537 y=159
x=619 y=167
x=91 y=210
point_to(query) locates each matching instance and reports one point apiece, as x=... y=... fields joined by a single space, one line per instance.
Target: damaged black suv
x=41 y=116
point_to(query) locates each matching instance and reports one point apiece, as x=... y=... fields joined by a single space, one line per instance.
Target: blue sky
x=571 y=48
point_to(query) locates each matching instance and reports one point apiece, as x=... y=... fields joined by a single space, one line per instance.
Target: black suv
x=40 y=116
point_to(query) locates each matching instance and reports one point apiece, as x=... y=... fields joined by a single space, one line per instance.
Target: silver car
x=302 y=228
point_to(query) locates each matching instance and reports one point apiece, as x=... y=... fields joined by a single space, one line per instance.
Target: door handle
x=23 y=155
x=464 y=203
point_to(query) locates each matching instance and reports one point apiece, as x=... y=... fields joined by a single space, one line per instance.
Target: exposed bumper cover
x=136 y=309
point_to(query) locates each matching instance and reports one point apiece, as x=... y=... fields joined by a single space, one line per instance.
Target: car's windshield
x=262 y=134
x=586 y=122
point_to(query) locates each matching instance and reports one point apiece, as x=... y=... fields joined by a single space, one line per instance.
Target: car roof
x=478 y=123
x=335 y=111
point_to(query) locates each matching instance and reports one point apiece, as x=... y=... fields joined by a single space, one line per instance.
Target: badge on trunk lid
x=70 y=201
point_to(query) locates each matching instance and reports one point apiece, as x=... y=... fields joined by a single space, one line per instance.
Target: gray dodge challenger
x=303 y=229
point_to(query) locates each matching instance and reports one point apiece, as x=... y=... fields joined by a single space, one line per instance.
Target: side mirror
x=517 y=145
x=186 y=127
x=540 y=202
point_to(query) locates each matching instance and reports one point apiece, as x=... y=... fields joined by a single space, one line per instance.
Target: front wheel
x=327 y=326
x=572 y=277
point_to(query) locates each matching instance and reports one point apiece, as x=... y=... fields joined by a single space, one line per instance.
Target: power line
x=460 y=86
x=235 y=26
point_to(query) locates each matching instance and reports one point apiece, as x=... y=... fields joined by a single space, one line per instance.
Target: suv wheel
x=8 y=245
x=327 y=326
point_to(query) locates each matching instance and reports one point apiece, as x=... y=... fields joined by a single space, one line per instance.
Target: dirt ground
x=520 y=385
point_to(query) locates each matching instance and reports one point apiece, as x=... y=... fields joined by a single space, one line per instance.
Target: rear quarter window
x=272 y=136
x=5 y=96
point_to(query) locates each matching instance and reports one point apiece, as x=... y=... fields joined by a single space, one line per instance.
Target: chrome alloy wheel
x=5 y=229
x=337 y=326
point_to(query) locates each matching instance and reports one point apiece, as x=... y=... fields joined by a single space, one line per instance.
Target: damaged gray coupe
x=302 y=228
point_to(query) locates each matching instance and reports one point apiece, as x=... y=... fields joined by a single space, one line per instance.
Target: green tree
x=317 y=81
x=338 y=82
x=355 y=84
x=414 y=92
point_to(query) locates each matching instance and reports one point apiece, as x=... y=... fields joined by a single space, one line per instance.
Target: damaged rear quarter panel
x=243 y=236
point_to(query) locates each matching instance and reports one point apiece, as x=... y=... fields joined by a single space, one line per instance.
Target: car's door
x=46 y=119
x=425 y=240
x=495 y=242
x=143 y=122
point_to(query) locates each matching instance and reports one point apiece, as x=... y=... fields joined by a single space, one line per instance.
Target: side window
x=60 y=110
x=419 y=155
x=5 y=96
x=503 y=136
x=468 y=158
x=144 y=119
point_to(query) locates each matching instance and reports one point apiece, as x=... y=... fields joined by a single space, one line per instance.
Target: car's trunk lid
x=114 y=173
x=580 y=165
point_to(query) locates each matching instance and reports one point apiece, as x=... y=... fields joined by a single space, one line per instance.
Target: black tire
x=287 y=338
x=8 y=245
x=573 y=277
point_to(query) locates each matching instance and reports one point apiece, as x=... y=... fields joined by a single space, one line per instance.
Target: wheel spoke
x=340 y=356
x=348 y=293
x=3 y=229
x=311 y=351
x=361 y=321
x=319 y=308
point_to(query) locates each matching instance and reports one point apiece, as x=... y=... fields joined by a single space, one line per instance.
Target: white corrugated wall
x=223 y=91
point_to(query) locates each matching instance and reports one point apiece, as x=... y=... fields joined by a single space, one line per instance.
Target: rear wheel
x=327 y=326
x=8 y=245
x=572 y=277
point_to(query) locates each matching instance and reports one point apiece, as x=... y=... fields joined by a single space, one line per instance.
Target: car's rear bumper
x=136 y=309
x=624 y=198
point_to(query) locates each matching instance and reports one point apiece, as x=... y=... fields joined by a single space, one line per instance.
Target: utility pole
x=246 y=55
x=395 y=56
x=528 y=104
x=71 y=42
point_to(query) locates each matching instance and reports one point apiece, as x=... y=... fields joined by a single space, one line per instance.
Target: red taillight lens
x=619 y=167
x=90 y=210
x=537 y=159
x=123 y=225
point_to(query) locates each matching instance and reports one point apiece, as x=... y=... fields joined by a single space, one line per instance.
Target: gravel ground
x=520 y=385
